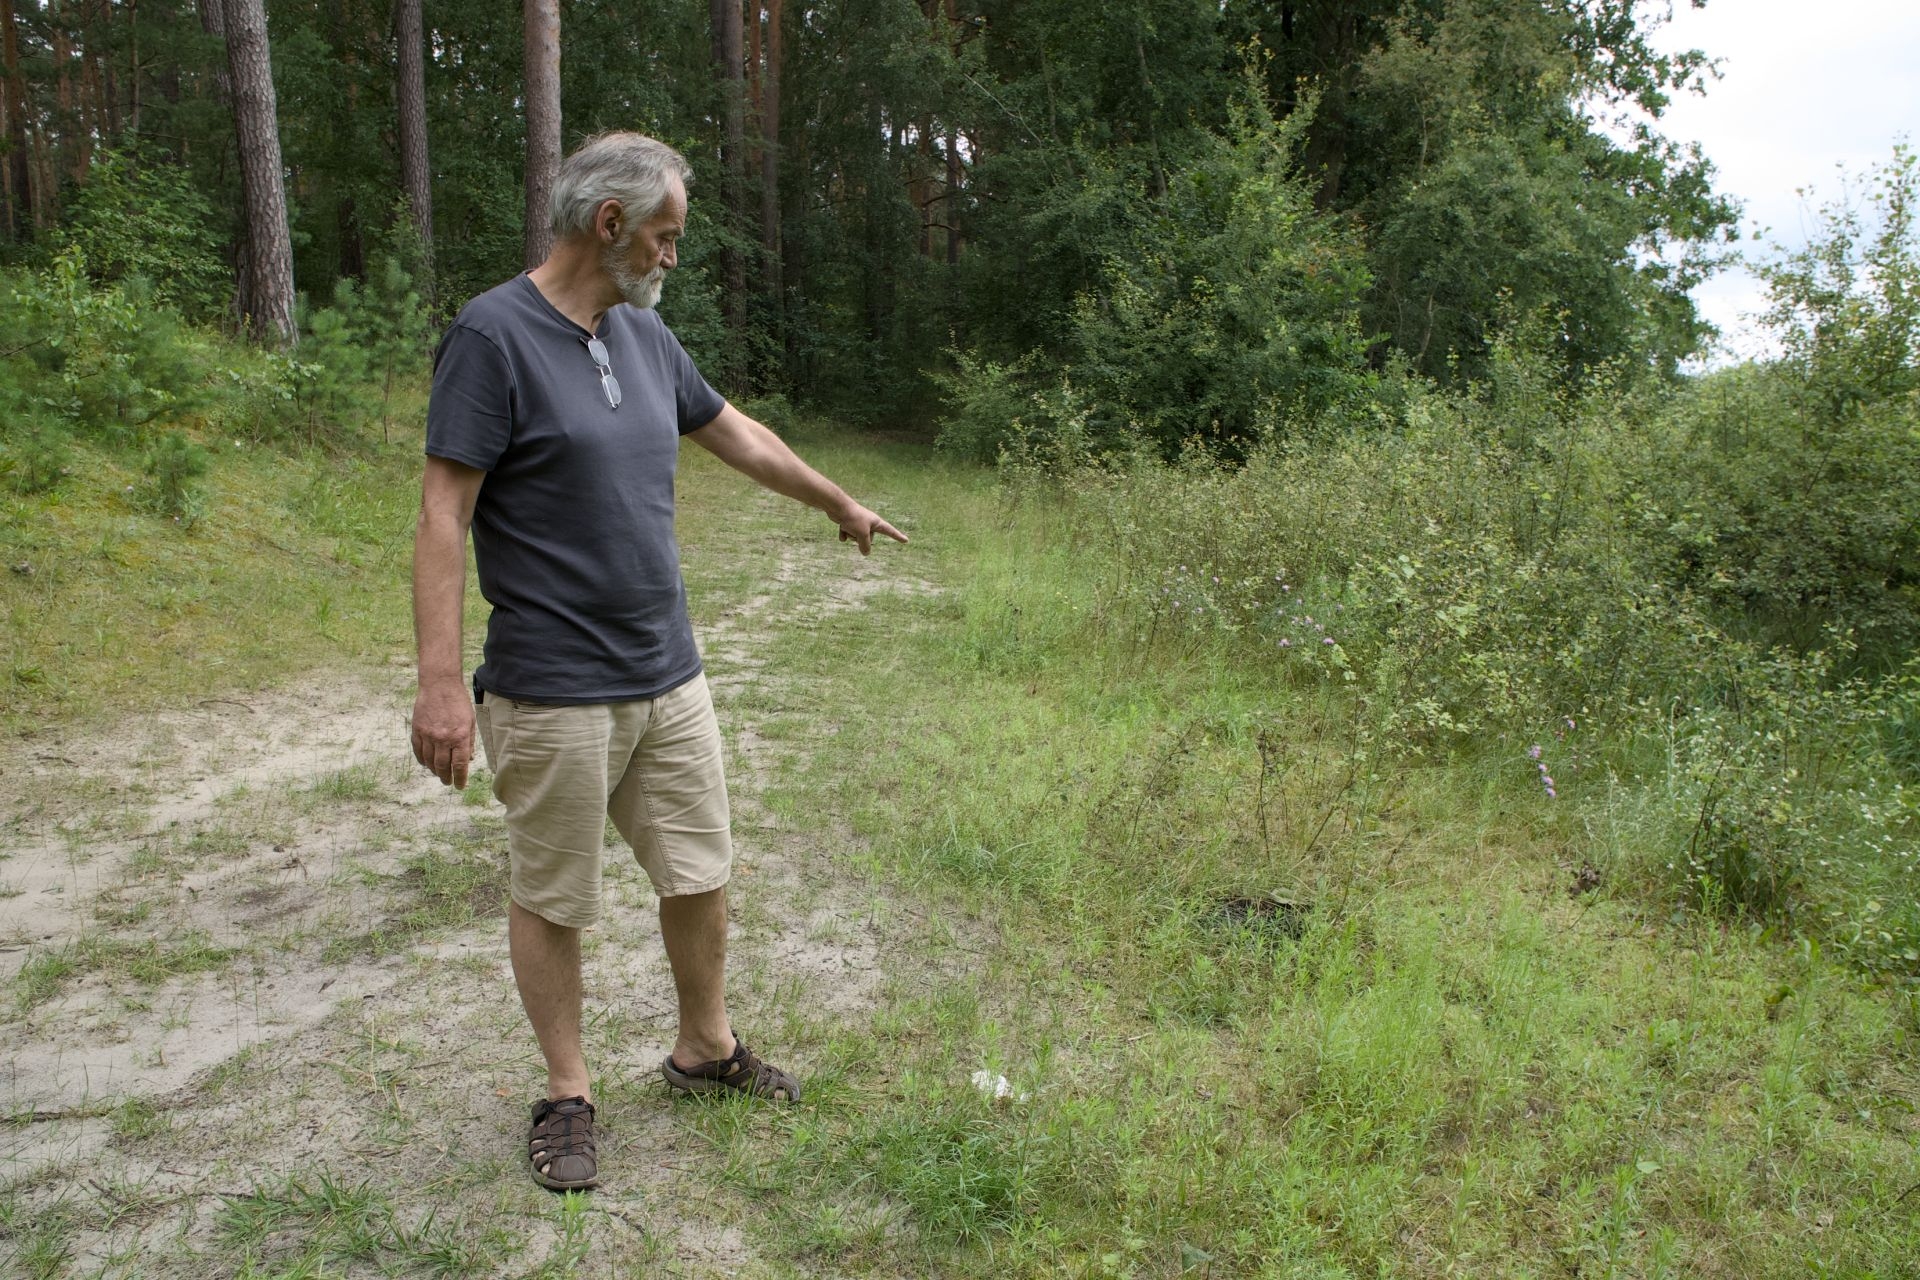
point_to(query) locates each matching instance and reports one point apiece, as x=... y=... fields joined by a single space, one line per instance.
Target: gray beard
x=640 y=291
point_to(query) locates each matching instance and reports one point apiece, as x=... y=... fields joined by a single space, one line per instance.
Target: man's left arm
x=755 y=452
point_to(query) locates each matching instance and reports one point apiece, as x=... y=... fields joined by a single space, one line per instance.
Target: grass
x=121 y=961
x=1459 y=1056
x=126 y=611
x=1452 y=1051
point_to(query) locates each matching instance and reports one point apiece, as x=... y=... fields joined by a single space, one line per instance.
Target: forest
x=1333 y=514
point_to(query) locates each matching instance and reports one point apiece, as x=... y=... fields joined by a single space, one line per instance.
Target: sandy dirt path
x=254 y=988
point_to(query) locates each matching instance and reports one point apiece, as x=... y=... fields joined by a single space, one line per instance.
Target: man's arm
x=757 y=453
x=443 y=710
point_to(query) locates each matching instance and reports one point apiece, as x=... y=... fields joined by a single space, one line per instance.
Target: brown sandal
x=560 y=1148
x=744 y=1071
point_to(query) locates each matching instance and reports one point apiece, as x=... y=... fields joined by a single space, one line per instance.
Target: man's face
x=642 y=253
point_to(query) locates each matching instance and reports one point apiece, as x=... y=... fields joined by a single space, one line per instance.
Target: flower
x=1285 y=643
x=1533 y=752
x=1327 y=640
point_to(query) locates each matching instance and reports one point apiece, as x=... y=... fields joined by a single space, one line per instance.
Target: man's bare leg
x=694 y=928
x=546 y=968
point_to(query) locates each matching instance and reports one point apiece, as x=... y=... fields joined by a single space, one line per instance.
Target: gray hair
x=629 y=167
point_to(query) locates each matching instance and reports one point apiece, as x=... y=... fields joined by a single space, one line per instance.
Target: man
x=552 y=435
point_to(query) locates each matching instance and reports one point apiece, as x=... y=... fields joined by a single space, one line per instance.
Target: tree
x=542 y=51
x=19 y=176
x=268 y=262
x=410 y=92
x=729 y=69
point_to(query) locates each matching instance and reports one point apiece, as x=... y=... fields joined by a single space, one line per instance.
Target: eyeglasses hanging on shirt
x=608 y=383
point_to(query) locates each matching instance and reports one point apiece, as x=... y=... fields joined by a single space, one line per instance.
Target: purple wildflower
x=1533 y=752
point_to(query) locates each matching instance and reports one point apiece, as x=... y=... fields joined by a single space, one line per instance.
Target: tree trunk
x=411 y=94
x=542 y=39
x=770 y=152
x=66 y=123
x=213 y=21
x=730 y=70
x=268 y=289
x=19 y=152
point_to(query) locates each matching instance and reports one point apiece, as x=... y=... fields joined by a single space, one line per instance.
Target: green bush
x=139 y=216
x=174 y=468
x=1790 y=494
x=108 y=359
x=357 y=352
x=1236 y=308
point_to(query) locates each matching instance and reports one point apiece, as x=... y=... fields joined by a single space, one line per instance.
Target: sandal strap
x=562 y=1128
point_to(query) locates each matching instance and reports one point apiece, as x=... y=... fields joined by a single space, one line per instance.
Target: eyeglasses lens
x=597 y=350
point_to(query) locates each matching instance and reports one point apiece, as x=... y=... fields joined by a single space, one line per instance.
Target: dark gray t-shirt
x=573 y=528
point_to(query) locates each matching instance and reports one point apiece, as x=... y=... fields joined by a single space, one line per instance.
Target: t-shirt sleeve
x=470 y=411
x=697 y=403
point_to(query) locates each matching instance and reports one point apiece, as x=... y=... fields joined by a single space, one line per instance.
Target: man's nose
x=671 y=258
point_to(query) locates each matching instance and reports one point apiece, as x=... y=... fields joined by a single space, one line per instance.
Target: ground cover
x=1261 y=1008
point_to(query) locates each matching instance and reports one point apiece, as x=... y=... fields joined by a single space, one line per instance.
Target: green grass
x=121 y=962
x=300 y=561
x=1453 y=1053
x=1458 y=1065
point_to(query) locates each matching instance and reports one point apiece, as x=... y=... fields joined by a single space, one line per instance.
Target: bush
x=358 y=350
x=1235 y=310
x=174 y=469
x=110 y=360
x=138 y=216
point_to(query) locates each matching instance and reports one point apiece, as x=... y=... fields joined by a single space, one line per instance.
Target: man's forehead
x=673 y=210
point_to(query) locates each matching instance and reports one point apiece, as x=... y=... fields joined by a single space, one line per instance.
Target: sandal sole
x=703 y=1084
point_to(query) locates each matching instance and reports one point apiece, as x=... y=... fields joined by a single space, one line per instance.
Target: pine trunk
x=770 y=152
x=19 y=150
x=411 y=93
x=730 y=70
x=542 y=37
x=268 y=261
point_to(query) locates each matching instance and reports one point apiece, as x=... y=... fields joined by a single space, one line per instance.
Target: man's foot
x=560 y=1147
x=743 y=1071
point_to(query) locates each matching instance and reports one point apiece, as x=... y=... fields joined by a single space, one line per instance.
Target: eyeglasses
x=608 y=383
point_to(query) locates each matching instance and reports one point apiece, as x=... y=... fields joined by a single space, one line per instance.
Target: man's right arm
x=443 y=710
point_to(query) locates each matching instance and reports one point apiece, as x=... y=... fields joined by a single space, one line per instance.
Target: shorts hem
x=706 y=886
x=544 y=915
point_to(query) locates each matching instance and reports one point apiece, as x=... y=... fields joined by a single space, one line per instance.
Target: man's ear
x=607 y=220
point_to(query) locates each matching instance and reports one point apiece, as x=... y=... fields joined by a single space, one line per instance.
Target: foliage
x=174 y=468
x=139 y=216
x=356 y=352
x=108 y=360
x=1791 y=493
x=1231 y=309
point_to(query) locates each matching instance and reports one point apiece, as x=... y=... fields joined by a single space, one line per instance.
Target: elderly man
x=552 y=434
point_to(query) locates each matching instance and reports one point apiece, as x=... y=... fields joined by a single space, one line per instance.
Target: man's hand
x=443 y=732
x=858 y=524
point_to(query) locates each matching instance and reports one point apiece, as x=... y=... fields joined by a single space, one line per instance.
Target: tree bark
x=542 y=39
x=730 y=70
x=66 y=122
x=19 y=152
x=770 y=151
x=268 y=289
x=411 y=94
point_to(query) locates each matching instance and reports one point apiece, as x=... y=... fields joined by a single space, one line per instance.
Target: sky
x=1806 y=90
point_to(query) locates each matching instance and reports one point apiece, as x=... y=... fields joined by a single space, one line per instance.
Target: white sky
x=1807 y=89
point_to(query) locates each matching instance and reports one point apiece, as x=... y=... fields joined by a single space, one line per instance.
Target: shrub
x=1235 y=309
x=174 y=469
x=138 y=216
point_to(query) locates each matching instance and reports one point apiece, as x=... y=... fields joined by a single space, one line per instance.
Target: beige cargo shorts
x=652 y=765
